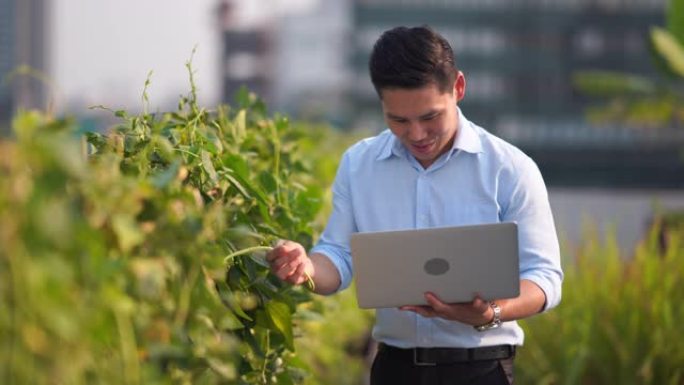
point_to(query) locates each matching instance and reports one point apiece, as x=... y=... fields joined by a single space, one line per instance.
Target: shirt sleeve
x=529 y=207
x=334 y=242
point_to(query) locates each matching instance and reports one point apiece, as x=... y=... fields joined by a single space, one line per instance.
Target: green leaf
x=246 y=188
x=98 y=141
x=208 y=166
x=225 y=370
x=209 y=142
x=230 y=322
x=607 y=83
x=238 y=186
x=239 y=126
x=675 y=19
x=242 y=97
x=309 y=202
x=237 y=163
x=671 y=50
x=268 y=181
x=127 y=232
x=163 y=146
x=228 y=296
x=164 y=178
x=285 y=379
x=281 y=318
x=26 y=124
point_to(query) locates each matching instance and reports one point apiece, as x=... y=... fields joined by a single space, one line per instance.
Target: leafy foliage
x=638 y=100
x=336 y=345
x=112 y=265
x=618 y=321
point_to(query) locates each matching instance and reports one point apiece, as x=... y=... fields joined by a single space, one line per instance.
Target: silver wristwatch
x=496 y=321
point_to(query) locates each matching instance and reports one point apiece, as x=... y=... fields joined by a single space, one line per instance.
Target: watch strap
x=496 y=319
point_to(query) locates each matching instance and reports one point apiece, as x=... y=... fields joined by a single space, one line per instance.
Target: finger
x=421 y=310
x=281 y=248
x=288 y=246
x=480 y=305
x=272 y=255
x=436 y=303
x=279 y=243
x=287 y=269
x=281 y=261
x=426 y=312
x=281 y=274
x=275 y=253
x=287 y=254
x=294 y=250
x=299 y=275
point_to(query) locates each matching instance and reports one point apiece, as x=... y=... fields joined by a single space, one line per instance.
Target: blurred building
x=7 y=43
x=519 y=58
x=23 y=42
x=245 y=56
x=296 y=58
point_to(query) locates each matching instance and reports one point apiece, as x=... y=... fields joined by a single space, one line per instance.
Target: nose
x=416 y=132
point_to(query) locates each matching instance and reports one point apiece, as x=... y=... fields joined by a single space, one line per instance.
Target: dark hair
x=412 y=58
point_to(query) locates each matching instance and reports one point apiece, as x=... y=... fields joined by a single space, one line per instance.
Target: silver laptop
x=395 y=268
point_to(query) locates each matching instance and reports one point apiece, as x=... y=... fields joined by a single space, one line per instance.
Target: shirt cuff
x=551 y=286
x=341 y=259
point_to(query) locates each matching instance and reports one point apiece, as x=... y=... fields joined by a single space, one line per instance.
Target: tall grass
x=619 y=320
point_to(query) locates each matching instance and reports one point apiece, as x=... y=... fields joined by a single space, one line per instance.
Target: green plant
x=638 y=100
x=112 y=265
x=618 y=321
x=335 y=344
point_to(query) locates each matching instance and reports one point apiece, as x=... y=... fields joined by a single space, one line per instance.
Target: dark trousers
x=389 y=370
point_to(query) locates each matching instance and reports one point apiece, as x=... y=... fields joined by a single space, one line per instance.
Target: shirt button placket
x=422 y=202
x=422 y=221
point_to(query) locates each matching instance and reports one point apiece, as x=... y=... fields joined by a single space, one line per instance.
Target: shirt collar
x=467 y=140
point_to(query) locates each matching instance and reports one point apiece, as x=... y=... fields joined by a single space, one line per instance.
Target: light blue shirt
x=380 y=186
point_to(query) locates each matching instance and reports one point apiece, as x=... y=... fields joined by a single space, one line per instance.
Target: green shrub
x=618 y=322
x=334 y=339
x=334 y=346
x=112 y=265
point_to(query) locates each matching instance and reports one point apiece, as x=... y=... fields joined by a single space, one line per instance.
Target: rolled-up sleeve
x=529 y=207
x=334 y=242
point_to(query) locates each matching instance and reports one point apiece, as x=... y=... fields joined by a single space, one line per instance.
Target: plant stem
x=267 y=353
x=128 y=348
x=185 y=296
x=186 y=152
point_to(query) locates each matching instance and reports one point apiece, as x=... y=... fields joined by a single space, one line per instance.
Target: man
x=434 y=168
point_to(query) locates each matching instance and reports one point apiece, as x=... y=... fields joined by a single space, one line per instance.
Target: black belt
x=435 y=356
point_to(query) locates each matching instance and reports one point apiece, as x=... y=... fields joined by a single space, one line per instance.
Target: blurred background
x=307 y=58
x=592 y=90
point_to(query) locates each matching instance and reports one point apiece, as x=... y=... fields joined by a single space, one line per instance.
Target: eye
x=430 y=117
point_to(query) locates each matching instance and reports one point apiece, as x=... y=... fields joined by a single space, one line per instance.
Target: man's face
x=424 y=119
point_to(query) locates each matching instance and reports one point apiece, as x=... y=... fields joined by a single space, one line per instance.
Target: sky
x=102 y=51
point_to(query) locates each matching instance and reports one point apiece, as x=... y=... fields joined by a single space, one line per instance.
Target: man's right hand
x=290 y=263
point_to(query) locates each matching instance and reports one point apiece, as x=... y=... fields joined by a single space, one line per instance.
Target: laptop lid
x=395 y=268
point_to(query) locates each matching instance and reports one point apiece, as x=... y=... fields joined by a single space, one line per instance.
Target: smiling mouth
x=422 y=148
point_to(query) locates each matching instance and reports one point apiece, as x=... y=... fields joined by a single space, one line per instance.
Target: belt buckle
x=418 y=363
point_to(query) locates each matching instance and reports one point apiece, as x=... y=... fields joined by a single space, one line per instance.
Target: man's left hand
x=477 y=312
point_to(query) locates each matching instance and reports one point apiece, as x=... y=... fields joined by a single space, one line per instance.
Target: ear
x=459 y=86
